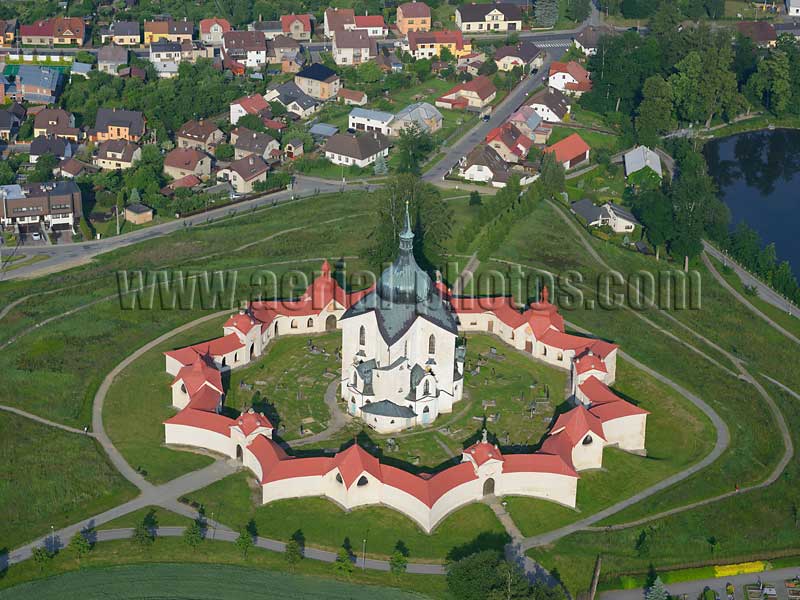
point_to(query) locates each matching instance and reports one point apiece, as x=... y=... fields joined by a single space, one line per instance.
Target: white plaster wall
x=589 y=456
x=296 y=487
x=250 y=461
x=456 y=498
x=179 y=398
x=186 y=435
x=172 y=365
x=627 y=432
x=548 y=486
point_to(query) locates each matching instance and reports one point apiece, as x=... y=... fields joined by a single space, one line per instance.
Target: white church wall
x=548 y=486
x=186 y=435
x=588 y=456
x=627 y=432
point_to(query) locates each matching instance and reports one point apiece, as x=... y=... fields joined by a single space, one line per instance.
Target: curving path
x=44 y=421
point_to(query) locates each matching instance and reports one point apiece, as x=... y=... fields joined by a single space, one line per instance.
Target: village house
x=528 y=121
x=338 y=19
x=80 y=69
x=181 y=162
x=117 y=124
x=569 y=78
x=550 y=104
x=589 y=38
x=173 y=31
x=55 y=122
x=762 y=33
x=642 y=158
x=293 y=62
x=482 y=18
x=294 y=99
x=353 y=48
x=524 y=54
x=352 y=97
x=58 y=147
x=570 y=152
x=165 y=56
x=8 y=32
x=422 y=114
x=243 y=174
x=363 y=119
x=373 y=25
x=617 y=217
x=269 y=29
x=484 y=165
x=297 y=27
x=52 y=204
x=11 y=119
x=246 y=47
x=37 y=85
x=318 y=81
x=57 y=31
x=509 y=142
x=293 y=148
x=122 y=33
x=116 y=154
x=138 y=214
x=282 y=46
x=203 y=135
x=359 y=150
x=246 y=142
x=110 y=58
x=429 y=44
x=212 y=30
x=249 y=105
x=413 y=16
x=473 y=95
x=70 y=168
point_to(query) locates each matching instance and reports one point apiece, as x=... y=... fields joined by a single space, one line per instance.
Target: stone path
x=336 y=423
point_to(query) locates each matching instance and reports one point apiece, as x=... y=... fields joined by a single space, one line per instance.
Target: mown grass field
x=51 y=477
x=168 y=557
x=235 y=500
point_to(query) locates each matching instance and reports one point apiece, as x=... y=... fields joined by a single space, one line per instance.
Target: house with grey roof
x=617 y=217
x=121 y=33
x=79 y=69
x=484 y=165
x=422 y=114
x=246 y=142
x=642 y=157
x=39 y=85
x=294 y=99
x=322 y=131
x=359 y=150
x=550 y=104
x=365 y=119
x=111 y=58
x=58 y=147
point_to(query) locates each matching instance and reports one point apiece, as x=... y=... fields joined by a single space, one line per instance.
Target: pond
x=758 y=175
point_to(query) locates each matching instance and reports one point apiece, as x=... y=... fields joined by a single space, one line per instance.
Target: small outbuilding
x=138 y=214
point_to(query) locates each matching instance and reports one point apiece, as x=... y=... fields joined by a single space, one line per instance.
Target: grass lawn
x=323 y=524
x=678 y=434
x=290 y=382
x=595 y=139
x=601 y=183
x=586 y=117
x=51 y=477
x=213 y=564
x=162 y=516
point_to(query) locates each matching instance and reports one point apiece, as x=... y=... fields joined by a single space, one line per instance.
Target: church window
x=426 y=389
x=544 y=351
x=362 y=336
x=587 y=440
x=362 y=481
x=431 y=345
x=355 y=378
x=236 y=357
x=560 y=356
x=310 y=323
x=339 y=478
x=427 y=409
x=293 y=324
x=183 y=388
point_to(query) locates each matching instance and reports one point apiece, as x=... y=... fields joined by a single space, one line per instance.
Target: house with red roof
x=570 y=151
x=297 y=27
x=509 y=142
x=429 y=44
x=474 y=95
x=374 y=25
x=212 y=30
x=57 y=31
x=570 y=78
x=249 y=105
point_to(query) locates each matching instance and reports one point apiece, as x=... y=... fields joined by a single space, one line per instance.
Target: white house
x=363 y=119
x=249 y=105
x=246 y=47
x=488 y=17
x=569 y=78
x=353 y=47
x=551 y=105
x=359 y=150
x=618 y=218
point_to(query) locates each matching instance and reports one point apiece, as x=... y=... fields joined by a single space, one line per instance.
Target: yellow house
x=413 y=16
x=429 y=44
x=174 y=31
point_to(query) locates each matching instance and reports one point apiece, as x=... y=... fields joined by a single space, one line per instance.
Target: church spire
x=407 y=236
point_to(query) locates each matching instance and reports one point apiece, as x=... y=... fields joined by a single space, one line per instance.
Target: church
x=402 y=365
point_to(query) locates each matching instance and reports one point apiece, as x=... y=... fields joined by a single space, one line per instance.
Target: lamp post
x=52 y=538
x=364 y=555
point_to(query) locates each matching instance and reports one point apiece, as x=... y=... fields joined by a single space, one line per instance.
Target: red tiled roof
x=512 y=138
x=354 y=461
x=183 y=158
x=198 y=374
x=252 y=105
x=205 y=24
x=249 y=421
x=539 y=462
x=206 y=398
x=483 y=452
x=589 y=362
x=215 y=347
x=202 y=419
x=435 y=37
x=576 y=423
x=569 y=148
x=482 y=86
x=363 y=21
x=354 y=95
x=606 y=405
x=287 y=20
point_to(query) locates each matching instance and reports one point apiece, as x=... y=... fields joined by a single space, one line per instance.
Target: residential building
x=116 y=154
x=243 y=174
x=338 y=19
x=526 y=55
x=484 y=165
x=249 y=105
x=322 y=131
x=413 y=16
x=71 y=168
x=589 y=38
x=80 y=69
x=138 y=214
x=58 y=147
x=388 y=61
x=246 y=142
x=132 y=72
x=352 y=97
x=570 y=78
x=421 y=44
x=118 y=124
x=509 y=142
x=793 y=8
x=192 y=50
x=269 y=29
x=570 y=151
x=551 y=105
x=173 y=31
x=359 y=150
x=363 y=119
x=111 y=58
x=201 y=135
x=497 y=17
x=762 y=33
x=528 y=121
x=282 y=46
x=293 y=62
x=54 y=204
x=293 y=148
x=122 y=33
x=617 y=217
x=55 y=122
x=165 y=51
x=57 y=31
x=8 y=32
x=212 y=30
x=10 y=121
x=373 y=25
x=181 y=162
x=640 y=158
x=422 y=114
x=474 y=95
x=297 y=27
x=294 y=99
x=318 y=81
x=37 y=85
x=353 y=47
x=246 y=47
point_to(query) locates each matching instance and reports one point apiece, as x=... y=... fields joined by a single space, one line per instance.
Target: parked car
x=36 y=236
